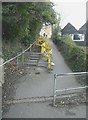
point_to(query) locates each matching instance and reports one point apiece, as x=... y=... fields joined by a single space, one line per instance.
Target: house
x=46 y=30
x=70 y=30
x=82 y=32
x=79 y=36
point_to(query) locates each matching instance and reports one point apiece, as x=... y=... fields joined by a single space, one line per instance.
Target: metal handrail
x=66 y=89
x=17 y=55
x=74 y=73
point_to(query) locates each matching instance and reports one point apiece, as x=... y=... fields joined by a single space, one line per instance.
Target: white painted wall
x=72 y=35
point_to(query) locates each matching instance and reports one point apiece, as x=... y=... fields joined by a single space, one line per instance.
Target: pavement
x=44 y=110
x=33 y=85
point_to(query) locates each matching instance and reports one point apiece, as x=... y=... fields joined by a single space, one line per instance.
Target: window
x=76 y=37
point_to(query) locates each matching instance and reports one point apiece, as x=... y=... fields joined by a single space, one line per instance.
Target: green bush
x=56 y=34
x=74 y=55
x=81 y=43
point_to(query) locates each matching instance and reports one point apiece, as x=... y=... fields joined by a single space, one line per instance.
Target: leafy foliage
x=21 y=24
x=56 y=32
x=74 y=55
x=23 y=21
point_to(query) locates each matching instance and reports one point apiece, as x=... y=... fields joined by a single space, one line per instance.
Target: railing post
x=30 y=47
x=54 y=90
x=23 y=58
x=17 y=62
x=1 y=72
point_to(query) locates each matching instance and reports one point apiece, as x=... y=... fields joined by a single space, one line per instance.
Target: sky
x=73 y=11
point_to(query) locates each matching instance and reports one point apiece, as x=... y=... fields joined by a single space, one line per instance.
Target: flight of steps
x=34 y=58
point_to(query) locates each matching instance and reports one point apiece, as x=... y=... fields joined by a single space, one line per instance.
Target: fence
x=55 y=90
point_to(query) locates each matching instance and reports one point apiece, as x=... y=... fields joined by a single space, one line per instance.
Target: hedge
x=74 y=55
x=81 y=43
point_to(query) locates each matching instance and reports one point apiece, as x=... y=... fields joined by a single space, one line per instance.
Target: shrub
x=81 y=43
x=56 y=35
x=74 y=55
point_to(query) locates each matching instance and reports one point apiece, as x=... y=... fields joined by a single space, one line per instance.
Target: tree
x=23 y=21
x=56 y=31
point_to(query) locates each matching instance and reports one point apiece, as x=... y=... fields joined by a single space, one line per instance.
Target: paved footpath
x=33 y=85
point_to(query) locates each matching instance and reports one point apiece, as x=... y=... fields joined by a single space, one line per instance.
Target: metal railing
x=14 y=58
x=55 y=91
x=17 y=55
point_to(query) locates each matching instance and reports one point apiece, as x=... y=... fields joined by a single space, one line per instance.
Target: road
x=32 y=85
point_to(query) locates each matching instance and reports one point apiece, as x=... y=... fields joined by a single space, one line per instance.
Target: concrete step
x=42 y=63
x=32 y=61
x=34 y=58
x=35 y=53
